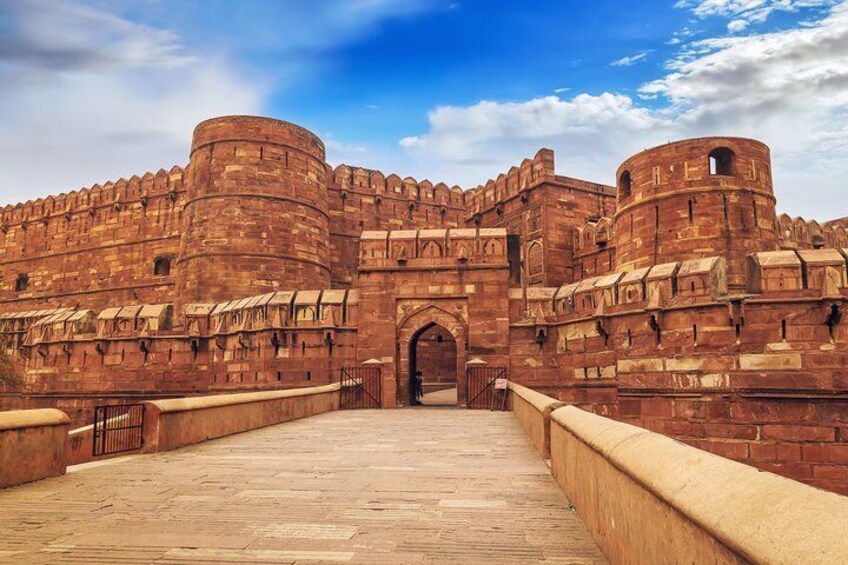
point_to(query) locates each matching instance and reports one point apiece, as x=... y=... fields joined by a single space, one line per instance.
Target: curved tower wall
x=256 y=214
x=676 y=208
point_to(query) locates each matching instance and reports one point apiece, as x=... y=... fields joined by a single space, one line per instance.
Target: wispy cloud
x=743 y=13
x=631 y=60
x=90 y=93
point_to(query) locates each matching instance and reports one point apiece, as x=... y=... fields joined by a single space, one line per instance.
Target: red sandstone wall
x=674 y=209
x=93 y=247
x=256 y=213
x=759 y=379
x=544 y=210
x=362 y=199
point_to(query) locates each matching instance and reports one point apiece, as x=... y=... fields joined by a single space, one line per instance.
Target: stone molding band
x=687 y=191
x=260 y=196
x=255 y=255
x=256 y=142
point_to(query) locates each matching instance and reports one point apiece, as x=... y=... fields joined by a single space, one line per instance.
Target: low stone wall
x=32 y=445
x=649 y=499
x=533 y=411
x=170 y=424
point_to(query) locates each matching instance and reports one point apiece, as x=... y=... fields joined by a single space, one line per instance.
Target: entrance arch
x=418 y=324
x=432 y=351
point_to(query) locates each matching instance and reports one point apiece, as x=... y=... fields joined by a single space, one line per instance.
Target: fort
x=678 y=300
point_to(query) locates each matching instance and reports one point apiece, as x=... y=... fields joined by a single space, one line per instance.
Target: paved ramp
x=395 y=486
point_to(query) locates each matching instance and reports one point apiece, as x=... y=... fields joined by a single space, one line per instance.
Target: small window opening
x=695 y=334
x=783 y=330
x=691 y=212
x=162 y=267
x=692 y=286
x=22 y=283
x=624 y=185
x=721 y=161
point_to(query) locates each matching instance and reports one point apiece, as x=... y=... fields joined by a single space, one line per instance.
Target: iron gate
x=480 y=387
x=118 y=428
x=361 y=387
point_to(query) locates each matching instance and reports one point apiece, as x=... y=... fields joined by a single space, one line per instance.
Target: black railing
x=361 y=387
x=481 y=387
x=118 y=428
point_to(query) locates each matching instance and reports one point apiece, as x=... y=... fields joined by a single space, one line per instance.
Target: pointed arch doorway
x=434 y=342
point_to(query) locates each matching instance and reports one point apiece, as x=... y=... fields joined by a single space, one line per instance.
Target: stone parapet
x=32 y=445
x=170 y=424
x=649 y=499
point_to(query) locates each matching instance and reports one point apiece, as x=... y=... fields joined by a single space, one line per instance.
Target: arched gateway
x=427 y=340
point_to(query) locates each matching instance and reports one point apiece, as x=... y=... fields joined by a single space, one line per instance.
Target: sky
x=453 y=91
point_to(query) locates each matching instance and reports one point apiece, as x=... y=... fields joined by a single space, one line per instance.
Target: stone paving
x=427 y=485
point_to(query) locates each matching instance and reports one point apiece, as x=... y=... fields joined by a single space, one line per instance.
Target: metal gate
x=480 y=386
x=118 y=428
x=361 y=387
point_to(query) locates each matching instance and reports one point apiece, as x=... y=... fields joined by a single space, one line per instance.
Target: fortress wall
x=543 y=210
x=92 y=247
x=758 y=379
x=363 y=199
x=128 y=354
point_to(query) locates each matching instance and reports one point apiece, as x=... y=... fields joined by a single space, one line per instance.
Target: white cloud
x=745 y=12
x=788 y=89
x=631 y=60
x=89 y=96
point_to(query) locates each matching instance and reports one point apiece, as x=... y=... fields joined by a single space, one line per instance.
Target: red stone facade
x=678 y=300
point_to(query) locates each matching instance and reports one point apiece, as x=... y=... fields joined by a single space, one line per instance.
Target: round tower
x=256 y=213
x=696 y=198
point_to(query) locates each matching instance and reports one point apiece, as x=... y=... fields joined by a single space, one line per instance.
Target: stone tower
x=256 y=217
x=693 y=199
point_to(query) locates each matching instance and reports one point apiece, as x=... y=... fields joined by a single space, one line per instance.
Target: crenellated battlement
x=798 y=233
x=137 y=190
x=346 y=178
x=512 y=183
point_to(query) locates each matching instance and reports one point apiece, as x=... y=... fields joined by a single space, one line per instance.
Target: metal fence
x=482 y=387
x=361 y=387
x=118 y=428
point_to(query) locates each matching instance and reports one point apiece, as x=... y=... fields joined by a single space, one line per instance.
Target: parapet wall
x=171 y=424
x=32 y=445
x=648 y=499
x=92 y=247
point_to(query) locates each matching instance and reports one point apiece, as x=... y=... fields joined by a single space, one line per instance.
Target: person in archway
x=417 y=388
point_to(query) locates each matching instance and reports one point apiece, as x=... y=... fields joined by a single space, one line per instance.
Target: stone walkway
x=395 y=486
x=445 y=397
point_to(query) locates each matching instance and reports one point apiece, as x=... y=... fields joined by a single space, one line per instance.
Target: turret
x=256 y=216
x=693 y=199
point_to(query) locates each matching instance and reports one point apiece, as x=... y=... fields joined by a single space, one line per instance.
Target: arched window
x=624 y=185
x=21 y=283
x=722 y=161
x=162 y=266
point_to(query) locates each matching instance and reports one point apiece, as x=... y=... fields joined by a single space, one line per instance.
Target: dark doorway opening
x=433 y=353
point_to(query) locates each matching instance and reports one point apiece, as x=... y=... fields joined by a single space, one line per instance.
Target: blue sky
x=450 y=90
